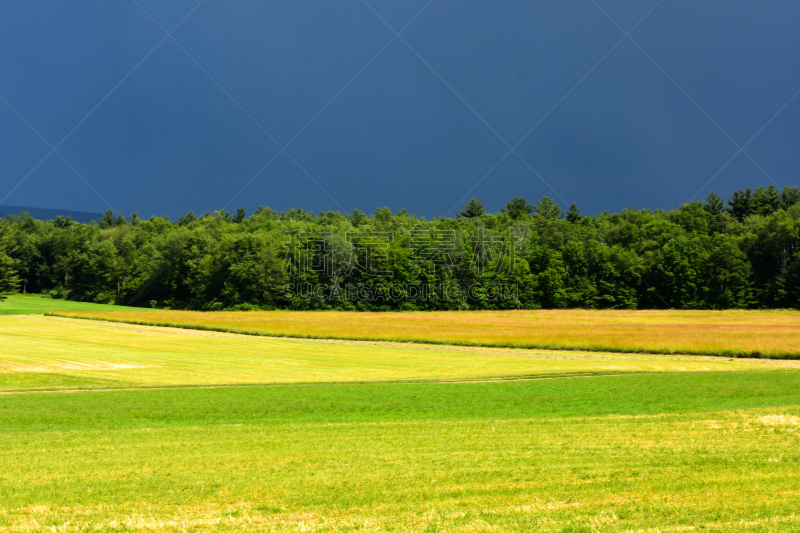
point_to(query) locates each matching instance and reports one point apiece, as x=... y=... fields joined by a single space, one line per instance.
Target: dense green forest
x=716 y=254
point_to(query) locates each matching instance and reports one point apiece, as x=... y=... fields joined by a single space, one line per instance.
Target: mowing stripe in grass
x=121 y=388
x=641 y=394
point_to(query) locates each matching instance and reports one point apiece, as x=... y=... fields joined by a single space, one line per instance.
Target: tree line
x=739 y=252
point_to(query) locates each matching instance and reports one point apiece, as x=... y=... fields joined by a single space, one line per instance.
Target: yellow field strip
x=122 y=356
x=773 y=334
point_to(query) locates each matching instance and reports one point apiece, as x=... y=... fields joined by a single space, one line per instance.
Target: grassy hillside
x=34 y=304
x=773 y=334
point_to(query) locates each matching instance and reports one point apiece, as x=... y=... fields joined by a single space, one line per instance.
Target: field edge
x=739 y=354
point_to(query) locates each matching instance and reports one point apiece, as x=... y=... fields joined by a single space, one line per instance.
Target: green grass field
x=117 y=427
x=34 y=304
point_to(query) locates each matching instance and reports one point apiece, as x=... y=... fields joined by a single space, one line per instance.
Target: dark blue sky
x=424 y=121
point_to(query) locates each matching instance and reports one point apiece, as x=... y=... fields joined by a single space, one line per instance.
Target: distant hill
x=49 y=214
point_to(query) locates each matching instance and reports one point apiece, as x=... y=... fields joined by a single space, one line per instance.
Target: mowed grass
x=34 y=304
x=713 y=451
x=55 y=353
x=774 y=334
x=145 y=428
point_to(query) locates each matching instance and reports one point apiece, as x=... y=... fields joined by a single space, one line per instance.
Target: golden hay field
x=54 y=353
x=731 y=333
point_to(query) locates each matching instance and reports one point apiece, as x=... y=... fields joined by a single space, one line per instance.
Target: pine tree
x=29 y=226
x=765 y=201
x=548 y=208
x=358 y=218
x=473 y=209
x=574 y=214
x=740 y=204
x=714 y=204
x=517 y=208
x=789 y=197
x=108 y=219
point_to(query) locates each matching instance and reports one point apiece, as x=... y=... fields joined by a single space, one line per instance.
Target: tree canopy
x=740 y=252
x=9 y=281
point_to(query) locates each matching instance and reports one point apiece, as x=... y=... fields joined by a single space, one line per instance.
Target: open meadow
x=774 y=333
x=108 y=426
x=34 y=304
x=51 y=353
